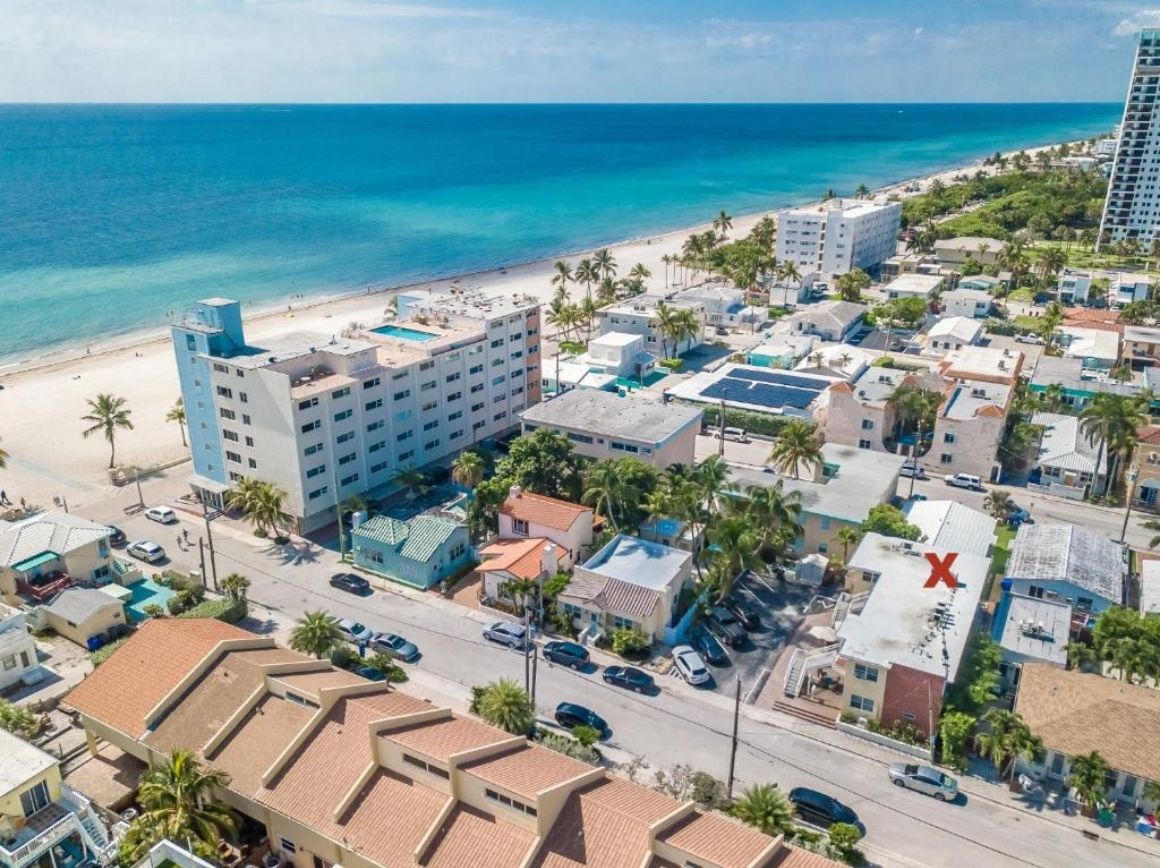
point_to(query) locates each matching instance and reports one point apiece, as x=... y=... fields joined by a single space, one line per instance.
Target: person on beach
x=4 y=501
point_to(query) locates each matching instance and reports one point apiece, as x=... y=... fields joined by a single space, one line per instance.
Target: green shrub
x=153 y=610
x=106 y=651
x=225 y=609
x=343 y=657
x=996 y=326
x=568 y=746
x=586 y=735
x=176 y=605
x=629 y=642
x=843 y=841
x=671 y=364
x=754 y=423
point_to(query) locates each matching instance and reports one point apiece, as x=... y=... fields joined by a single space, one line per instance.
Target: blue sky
x=574 y=51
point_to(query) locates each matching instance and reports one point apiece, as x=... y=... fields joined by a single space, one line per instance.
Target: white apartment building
x=1132 y=207
x=639 y=316
x=839 y=235
x=324 y=417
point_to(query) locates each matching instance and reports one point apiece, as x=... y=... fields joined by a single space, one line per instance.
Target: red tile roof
x=471 y=839
x=127 y=686
x=717 y=839
x=538 y=509
x=520 y=557
x=527 y=770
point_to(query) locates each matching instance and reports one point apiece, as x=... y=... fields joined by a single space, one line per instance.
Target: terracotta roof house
x=340 y=770
x=1077 y=713
x=525 y=515
x=516 y=560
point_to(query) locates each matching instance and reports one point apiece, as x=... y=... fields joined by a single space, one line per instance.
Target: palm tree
x=1112 y=421
x=468 y=469
x=245 y=497
x=797 y=446
x=847 y=536
x=640 y=272
x=3 y=459
x=734 y=543
x=1088 y=777
x=562 y=277
x=107 y=413
x=269 y=507
x=604 y=262
x=862 y=191
x=766 y=808
x=236 y=585
x=997 y=503
x=177 y=414
x=773 y=511
x=711 y=482
x=414 y=480
x=666 y=325
x=316 y=634
x=789 y=272
x=586 y=273
x=1007 y=739
x=605 y=490
x=505 y=704
x=1049 y=323
x=177 y=800
x=722 y=224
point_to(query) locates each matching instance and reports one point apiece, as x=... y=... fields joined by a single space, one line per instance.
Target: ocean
x=113 y=216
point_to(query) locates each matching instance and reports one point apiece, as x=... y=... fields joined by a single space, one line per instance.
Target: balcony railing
x=41 y=842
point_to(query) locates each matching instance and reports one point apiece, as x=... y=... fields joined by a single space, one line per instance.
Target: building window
x=251 y=463
x=250 y=441
x=426 y=366
x=949 y=437
x=375 y=447
x=287 y=845
x=224 y=392
x=345 y=414
x=382 y=465
x=429 y=406
x=478 y=387
x=375 y=426
x=310 y=426
x=865 y=673
x=427 y=387
x=455 y=435
x=343 y=438
x=229 y=435
x=451 y=378
x=340 y=393
x=509 y=802
x=403 y=395
x=371 y=405
x=624 y=447
x=867 y=424
x=579 y=438
x=861 y=703
x=476 y=407
x=477 y=369
x=458 y=414
x=431 y=444
x=227 y=414
x=245 y=419
x=234 y=457
x=308 y=403
x=346 y=459
x=946 y=458
x=315 y=471
x=499 y=416
x=349 y=480
x=430 y=768
x=824 y=522
x=371 y=383
x=310 y=450
x=454 y=396
x=432 y=425
x=519 y=526
x=406 y=456
x=620 y=623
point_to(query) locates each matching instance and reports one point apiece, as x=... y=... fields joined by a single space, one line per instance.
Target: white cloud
x=1136 y=22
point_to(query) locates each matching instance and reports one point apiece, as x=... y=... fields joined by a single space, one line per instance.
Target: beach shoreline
x=259 y=311
x=43 y=399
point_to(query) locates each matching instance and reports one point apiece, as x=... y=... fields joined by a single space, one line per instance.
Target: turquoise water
x=146 y=592
x=113 y=216
x=403 y=333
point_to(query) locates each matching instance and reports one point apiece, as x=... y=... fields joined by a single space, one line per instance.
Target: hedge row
x=225 y=609
x=753 y=423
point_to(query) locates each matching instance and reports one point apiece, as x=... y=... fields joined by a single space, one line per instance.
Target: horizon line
x=452 y=104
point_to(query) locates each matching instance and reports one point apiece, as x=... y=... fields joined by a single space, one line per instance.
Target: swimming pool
x=146 y=592
x=403 y=333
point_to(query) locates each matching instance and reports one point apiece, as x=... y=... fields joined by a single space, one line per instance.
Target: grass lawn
x=1026 y=323
x=1079 y=256
x=999 y=557
x=1025 y=295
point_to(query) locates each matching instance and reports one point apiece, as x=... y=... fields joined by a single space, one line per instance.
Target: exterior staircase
x=803 y=663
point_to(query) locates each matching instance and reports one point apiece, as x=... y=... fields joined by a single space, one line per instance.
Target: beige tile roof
x=528 y=770
x=539 y=509
x=218 y=694
x=389 y=817
x=716 y=838
x=311 y=683
x=795 y=857
x=330 y=761
x=442 y=738
x=605 y=826
x=520 y=557
x=472 y=839
x=258 y=740
x=1075 y=713
x=126 y=687
x=612 y=595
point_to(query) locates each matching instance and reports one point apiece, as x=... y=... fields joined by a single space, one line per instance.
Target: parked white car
x=914 y=470
x=144 y=550
x=161 y=514
x=925 y=779
x=1028 y=339
x=965 y=480
x=689 y=665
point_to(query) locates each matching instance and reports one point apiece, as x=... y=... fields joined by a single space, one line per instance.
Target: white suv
x=162 y=514
x=689 y=665
x=506 y=633
x=965 y=480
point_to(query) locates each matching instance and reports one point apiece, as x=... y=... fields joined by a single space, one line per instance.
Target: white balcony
x=47 y=833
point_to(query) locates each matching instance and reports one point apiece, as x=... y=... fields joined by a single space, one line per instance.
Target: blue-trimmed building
x=421 y=552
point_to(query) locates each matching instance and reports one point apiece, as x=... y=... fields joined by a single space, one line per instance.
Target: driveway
x=781 y=606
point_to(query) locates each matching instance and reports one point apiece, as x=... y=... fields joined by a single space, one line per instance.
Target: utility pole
x=539 y=620
x=137 y=479
x=209 y=538
x=721 y=427
x=201 y=555
x=733 y=746
x=1132 y=476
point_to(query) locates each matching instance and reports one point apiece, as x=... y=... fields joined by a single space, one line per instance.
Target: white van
x=737 y=435
x=965 y=480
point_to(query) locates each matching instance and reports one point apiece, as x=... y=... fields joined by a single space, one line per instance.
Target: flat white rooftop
x=905 y=623
x=20 y=761
x=638 y=562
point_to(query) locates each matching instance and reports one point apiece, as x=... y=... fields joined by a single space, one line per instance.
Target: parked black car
x=820 y=809
x=711 y=649
x=725 y=626
x=746 y=615
x=117 y=538
x=629 y=678
x=351 y=583
x=566 y=654
x=570 y=715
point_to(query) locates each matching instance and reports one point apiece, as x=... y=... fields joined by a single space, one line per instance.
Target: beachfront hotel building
x=325 y=417
x=839 y=235
x=1132 y=207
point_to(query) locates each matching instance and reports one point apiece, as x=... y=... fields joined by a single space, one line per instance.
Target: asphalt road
x=676 y=726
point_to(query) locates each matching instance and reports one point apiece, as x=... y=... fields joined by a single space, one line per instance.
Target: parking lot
x=780 y=606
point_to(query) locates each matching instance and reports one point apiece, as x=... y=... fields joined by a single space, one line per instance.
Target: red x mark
x=940 y=571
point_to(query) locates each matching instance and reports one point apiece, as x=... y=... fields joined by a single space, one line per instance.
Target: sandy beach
x=41 y=404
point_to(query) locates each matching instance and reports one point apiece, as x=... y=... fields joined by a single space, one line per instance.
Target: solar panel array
x=762 y=388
